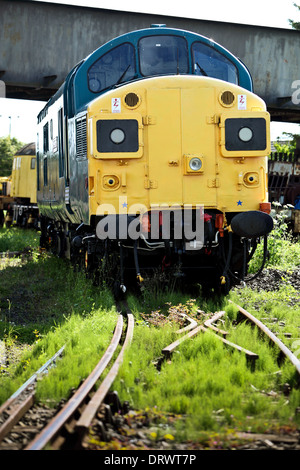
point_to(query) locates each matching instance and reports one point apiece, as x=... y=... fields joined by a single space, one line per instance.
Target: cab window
x=32 y=163
x=160 y=55
x=114 y=67
x=211 y=63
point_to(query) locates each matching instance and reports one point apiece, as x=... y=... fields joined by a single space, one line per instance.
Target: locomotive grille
x=81 y=143
x=227 y=98
x=132 y=100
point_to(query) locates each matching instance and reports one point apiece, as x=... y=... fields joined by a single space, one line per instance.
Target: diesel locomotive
x=18 y=204
x=152 y=155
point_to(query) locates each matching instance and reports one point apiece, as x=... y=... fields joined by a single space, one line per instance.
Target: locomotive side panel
x=78 y=186
x=52 y=153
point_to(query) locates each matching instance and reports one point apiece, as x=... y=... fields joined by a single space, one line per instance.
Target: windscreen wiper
x=202 y=70
x=123 y=74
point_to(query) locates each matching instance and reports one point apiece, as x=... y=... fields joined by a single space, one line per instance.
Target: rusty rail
x=18 y=412
x=285 y=350
x=15 y=407
x=94 y=404
x=66 y=414
x=213 y=319
x=192 y=324
x=167 y=351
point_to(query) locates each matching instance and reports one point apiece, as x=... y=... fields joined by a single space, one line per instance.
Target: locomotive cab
x=158 y=146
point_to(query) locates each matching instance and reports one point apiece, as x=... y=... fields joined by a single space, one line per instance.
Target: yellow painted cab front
x=165 y=140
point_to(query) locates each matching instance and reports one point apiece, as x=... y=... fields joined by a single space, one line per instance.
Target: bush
x=283 y=248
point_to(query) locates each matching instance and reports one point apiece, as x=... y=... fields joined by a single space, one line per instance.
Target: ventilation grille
x=132 y=100
x=4 y=189
x=81 y=145
x=227 y=98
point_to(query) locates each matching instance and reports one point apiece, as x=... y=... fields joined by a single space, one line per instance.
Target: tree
x=8 y=147
x=295 y=24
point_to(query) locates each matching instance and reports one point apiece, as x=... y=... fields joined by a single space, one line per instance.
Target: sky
x=18 y=117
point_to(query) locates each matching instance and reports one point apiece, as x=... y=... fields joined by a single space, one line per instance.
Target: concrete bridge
x=41 y=42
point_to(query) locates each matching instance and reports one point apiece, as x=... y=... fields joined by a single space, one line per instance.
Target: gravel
x=273 y=279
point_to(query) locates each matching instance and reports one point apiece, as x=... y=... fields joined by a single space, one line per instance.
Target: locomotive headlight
x=117 y=136
x=195 y=164
x=245 y=134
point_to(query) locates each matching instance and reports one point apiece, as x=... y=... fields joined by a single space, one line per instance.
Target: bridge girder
x=41 y=42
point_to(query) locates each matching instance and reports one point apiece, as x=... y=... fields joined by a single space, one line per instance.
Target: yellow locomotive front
x=157 y=155
x=177 y=152
x=5 y=198
x=23 y=210
x=171 y=143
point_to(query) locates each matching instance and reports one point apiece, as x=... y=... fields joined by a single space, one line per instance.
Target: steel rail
x=213 y=319
x=19 y=409
x=286 y=351
x=92 y=407
x=66 y=413
x=33 y=378
x=170 y=349
x=192 y=324
x=16 y=415
x=249 y=354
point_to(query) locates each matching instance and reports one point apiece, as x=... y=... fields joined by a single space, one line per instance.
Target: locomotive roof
x=28 y=149
x=75 y=88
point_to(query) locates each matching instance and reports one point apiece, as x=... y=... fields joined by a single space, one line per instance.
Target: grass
x=14 y=239
x=283 y=248
x=86 y=340
x=210 y=388
x=45 y=304
x=206 y=387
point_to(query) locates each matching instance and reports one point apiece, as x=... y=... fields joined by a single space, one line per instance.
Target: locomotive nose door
x=200 y=180
x=164 y=178
x=180 y=139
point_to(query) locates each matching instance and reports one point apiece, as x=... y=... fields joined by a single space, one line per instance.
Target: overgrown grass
x=208 y=387
x=205 y=385
x=16 y=239
x=283 y=248
x=85 y=338
x=45 y=304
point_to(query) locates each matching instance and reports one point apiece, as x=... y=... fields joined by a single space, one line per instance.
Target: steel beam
x=41 y=42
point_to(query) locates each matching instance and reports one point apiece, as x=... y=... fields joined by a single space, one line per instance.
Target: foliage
x=204 y=385
x=295 y=24
x=45 y=304
x=283 y=249
x=289 y=147
x=285 y=148
x=208 y=386
x=15 y=239
x=86 y=338
x=8 y=147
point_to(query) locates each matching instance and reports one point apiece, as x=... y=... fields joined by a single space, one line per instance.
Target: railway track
x=68 y=427
x=221 y=335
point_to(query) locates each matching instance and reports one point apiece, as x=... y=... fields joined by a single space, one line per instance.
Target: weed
x=283 y=249
x=16 y=239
